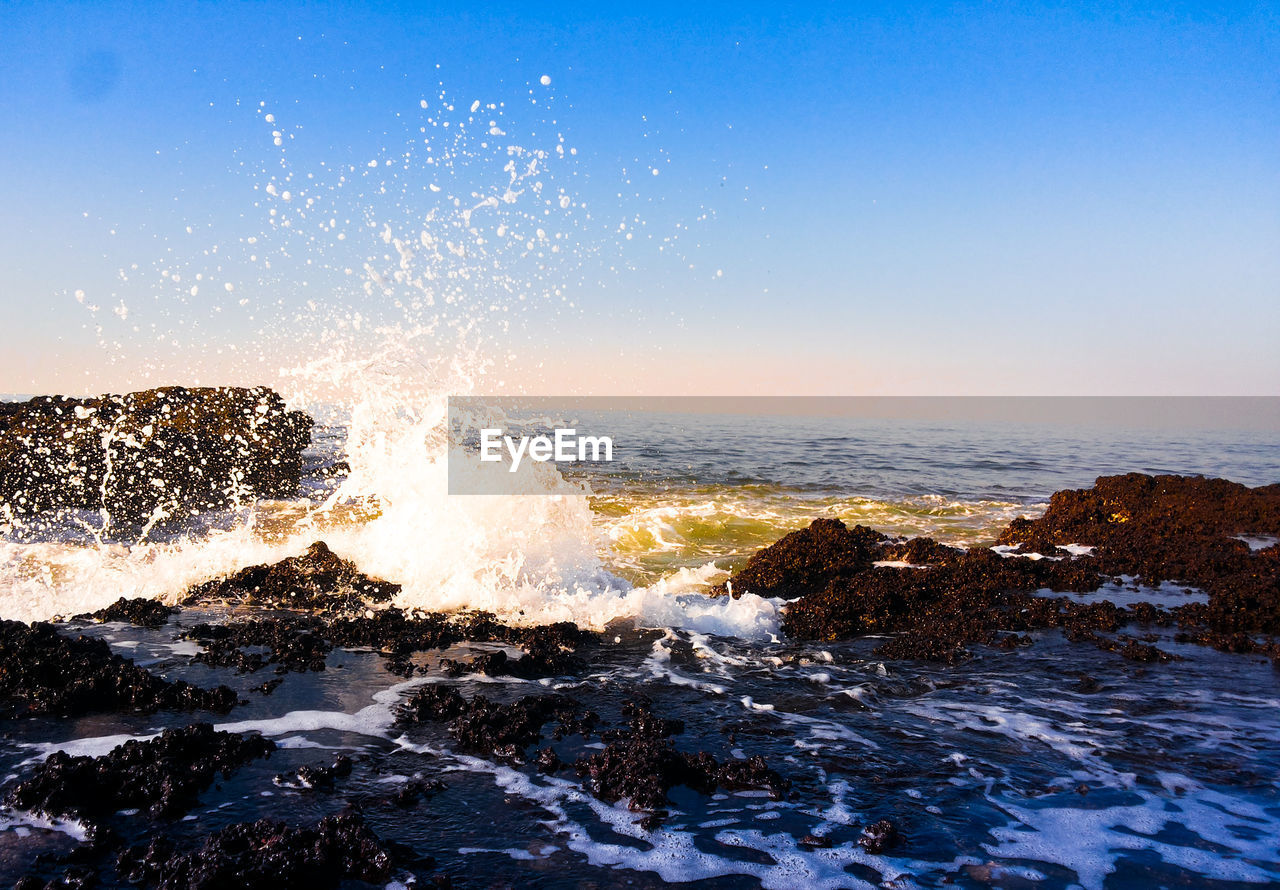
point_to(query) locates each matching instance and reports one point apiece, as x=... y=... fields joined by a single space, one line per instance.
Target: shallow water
x=997 y=770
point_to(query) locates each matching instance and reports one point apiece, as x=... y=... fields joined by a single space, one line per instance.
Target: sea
x=1000 y=771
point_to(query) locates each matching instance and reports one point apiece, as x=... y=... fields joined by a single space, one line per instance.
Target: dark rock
x=292 y=644
x=301 y=642
x=964 y=596
x=317 y=777
x=1157 y=528
x=265 y=855
x=643 y=765
x=171 y=449
x=485 y=727
x=879 y=837
x=317 y=581
x=807 y=560
x=544 y=658
x=43 y=672
x=415 y=790
x=77 y=877
x=139 y=611
x=162 y=776
x=1176 y=528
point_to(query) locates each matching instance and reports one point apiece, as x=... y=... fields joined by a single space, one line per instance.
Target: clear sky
x=961 y=198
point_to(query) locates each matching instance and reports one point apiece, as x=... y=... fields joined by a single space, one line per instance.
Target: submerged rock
x=170 y=450
x=162 y=776
x=43 y=672
x=317 y=581
x=265 y=855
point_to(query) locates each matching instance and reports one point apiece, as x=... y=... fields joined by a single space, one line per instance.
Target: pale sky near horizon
x=883 y=199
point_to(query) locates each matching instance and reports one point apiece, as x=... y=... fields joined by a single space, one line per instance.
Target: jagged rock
x=265 y=855
x=171 y=449
x=1176 y=528
x=317 y=581
x=806 y=560
x=1157 y=528
x=142 y=612
x=300 y=642
x=643 y=765
x=43 y=672
x=880 y=836
x=162 y=776
x=486 y=727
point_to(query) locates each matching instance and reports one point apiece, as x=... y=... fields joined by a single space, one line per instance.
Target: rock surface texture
x=172 y=451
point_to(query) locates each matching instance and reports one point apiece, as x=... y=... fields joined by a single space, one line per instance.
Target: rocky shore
x=1136 y=529
x=932 y=602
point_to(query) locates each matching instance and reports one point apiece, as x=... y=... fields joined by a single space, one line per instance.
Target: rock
x=485 y=727
x=806 y=560
x=300 y=642
x=172 y=450
x=162 y=776
x=265 y=855
x=1157 y=528
x=43 y=672
x=317 y=581
x=290 y=644
x=317 y=777
x=1176 y=528
x=879 y=837
x=962 y=595
x=142 y=612
x=544 y=658
x=642 y=765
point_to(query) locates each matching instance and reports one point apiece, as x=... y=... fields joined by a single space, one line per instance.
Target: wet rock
x=544 y=658
x=1176 y=528
x=162 y=776
x=807 y=560
x=642 y=765
x=289 y=644
x=485 y=727
x=1158 y=528
x=301 y=642
x=415 y=790
x=879 y=837
x=964 y=596
x=139 y=611
x=77 y=877
x=317 y=581
x=43 y=672
x=265 y=855
x=173 y=450
x=317 y=777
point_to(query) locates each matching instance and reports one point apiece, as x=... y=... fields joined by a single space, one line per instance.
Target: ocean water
x=999 y=771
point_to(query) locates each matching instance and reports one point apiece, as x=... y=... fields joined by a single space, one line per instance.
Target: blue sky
x=870 y=199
